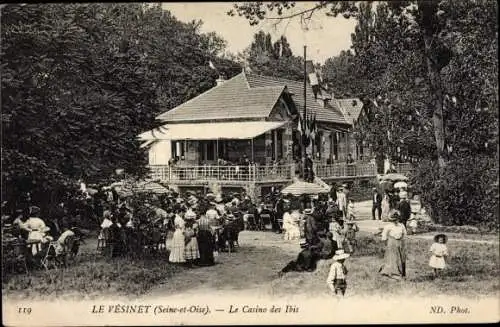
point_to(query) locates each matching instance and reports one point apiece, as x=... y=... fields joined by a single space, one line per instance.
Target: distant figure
x=376 y=204
x=342 y=202
x=404 y=208
x=395 y=254
x=350 y=160
x=309 y=173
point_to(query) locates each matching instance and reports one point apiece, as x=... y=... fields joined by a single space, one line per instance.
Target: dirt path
x=251 y=269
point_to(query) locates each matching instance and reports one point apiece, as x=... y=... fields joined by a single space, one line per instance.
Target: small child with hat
x=337 y=276
x=439 y=253
x=351 y=228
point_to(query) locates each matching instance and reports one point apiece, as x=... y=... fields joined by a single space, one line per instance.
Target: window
x=335 y=145
x=280 y=143
x=178 y=149
x=210 y=150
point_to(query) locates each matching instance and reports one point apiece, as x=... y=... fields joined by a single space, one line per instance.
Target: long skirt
x=191 y=251
x=206 y=246
x=306 y=261
x=385 y=209
x=395 y=259
x=178 y=247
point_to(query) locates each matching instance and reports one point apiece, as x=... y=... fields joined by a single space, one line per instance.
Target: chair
x=265 y=219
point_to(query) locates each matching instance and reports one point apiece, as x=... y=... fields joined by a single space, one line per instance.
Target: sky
x=325 y=37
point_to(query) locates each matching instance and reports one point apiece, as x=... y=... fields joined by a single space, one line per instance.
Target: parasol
x=298 y=188
x=401 y=185
x=394 y=178
x=151 y=187
x=91 y=191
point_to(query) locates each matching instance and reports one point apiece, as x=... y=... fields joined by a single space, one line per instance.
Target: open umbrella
x=401 y=185
x=394 y=178
x=298 y=188
x=151 y=187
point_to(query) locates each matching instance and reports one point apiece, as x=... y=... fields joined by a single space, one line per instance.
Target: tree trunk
x=436 y=104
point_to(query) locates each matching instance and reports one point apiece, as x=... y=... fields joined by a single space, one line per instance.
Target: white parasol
x=299 y=188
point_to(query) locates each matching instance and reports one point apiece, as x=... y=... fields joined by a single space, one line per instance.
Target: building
x=243 y=133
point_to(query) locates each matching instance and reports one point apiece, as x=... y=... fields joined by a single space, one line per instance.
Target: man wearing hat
x=337 y=276
x=310 y=228
x=376 y=204
x=342 y=201
x=404 y=208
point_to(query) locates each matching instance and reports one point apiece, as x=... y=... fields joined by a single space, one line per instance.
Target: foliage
x=272 y=59
x=427 y=74
x=81 y=81
x=465 y=194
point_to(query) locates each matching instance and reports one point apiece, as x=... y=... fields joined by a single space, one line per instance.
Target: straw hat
x=438 y=236
x=394 y=216
x=308 y=211
x=340 y=254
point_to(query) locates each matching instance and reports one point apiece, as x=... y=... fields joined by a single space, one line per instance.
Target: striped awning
x=211 y=131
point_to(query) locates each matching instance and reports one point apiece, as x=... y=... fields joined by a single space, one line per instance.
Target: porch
x=254 y=173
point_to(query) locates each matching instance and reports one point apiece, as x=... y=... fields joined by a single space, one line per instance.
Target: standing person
x=336 y=280
x=404 y=208
x=376 y=204
x=336 y=227
x=206 y=244
x=310 y=228
x=333 y=193
x=386 y=206
x=309 y=169
x=191 y=250
x=279 y=210
x=178 y=242
x=342 y=202
x=351 y=229
x=395 y=253
x=439 y=253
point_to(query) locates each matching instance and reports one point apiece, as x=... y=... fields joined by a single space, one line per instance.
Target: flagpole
x=304 y=117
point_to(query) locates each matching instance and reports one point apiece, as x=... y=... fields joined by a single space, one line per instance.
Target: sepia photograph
x=214 y=163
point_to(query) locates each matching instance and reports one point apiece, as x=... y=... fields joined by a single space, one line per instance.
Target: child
x=351 y=210
x=350 y=235
x=337 y=277
x=439 y=252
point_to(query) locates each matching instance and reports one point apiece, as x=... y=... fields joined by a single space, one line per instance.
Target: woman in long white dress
x=386 y=207
x=290 y=225
x=178 y=242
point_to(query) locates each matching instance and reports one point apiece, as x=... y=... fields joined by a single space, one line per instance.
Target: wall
x=160 y=152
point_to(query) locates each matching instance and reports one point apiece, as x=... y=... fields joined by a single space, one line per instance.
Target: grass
x=472 y=272
x=92 y=276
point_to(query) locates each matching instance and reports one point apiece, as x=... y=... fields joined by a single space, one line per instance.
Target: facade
x=244 y=133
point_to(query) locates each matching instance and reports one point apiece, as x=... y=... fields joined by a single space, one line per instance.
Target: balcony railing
x=404 y=168
x=257 y=173
x=345 y=170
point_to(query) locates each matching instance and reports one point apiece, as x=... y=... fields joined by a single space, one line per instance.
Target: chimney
x=220 y=80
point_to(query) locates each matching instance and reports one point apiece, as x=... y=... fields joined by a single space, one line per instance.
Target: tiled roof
x=231 y=100
x=326 y=114
x=249 y=96
x=351 y=108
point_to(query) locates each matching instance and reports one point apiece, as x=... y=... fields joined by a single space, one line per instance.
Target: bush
x=466 y=193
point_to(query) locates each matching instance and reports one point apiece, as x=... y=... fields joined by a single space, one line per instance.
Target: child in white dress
x=439 y=253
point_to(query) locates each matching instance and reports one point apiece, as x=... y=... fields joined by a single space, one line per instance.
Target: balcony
x=186 y=174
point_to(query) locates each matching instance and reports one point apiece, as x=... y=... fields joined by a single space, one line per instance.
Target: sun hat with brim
x=340 y=254
x=394 y=216
x=438 y=236
x=308 y=211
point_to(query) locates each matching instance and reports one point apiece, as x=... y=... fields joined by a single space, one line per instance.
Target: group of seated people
x=27 y=226
x=324 y=230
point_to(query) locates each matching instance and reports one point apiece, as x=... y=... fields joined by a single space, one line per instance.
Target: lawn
x=472 y=272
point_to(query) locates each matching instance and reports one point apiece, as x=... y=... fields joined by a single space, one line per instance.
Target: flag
x=313 y=127
x=211 y=65
x=299 y=126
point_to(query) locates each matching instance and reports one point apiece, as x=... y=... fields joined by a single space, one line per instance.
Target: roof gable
x=233 y=99
x=329 y=114
x=351 y=108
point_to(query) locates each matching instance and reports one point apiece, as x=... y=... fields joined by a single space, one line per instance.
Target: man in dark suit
x=376 y=204
x=404 y=208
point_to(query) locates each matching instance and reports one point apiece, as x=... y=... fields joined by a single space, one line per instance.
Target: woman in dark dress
x=206 y=244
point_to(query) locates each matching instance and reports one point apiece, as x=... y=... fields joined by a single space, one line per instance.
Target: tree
x=272 y=59
x=426 y=73
x=81 y=81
